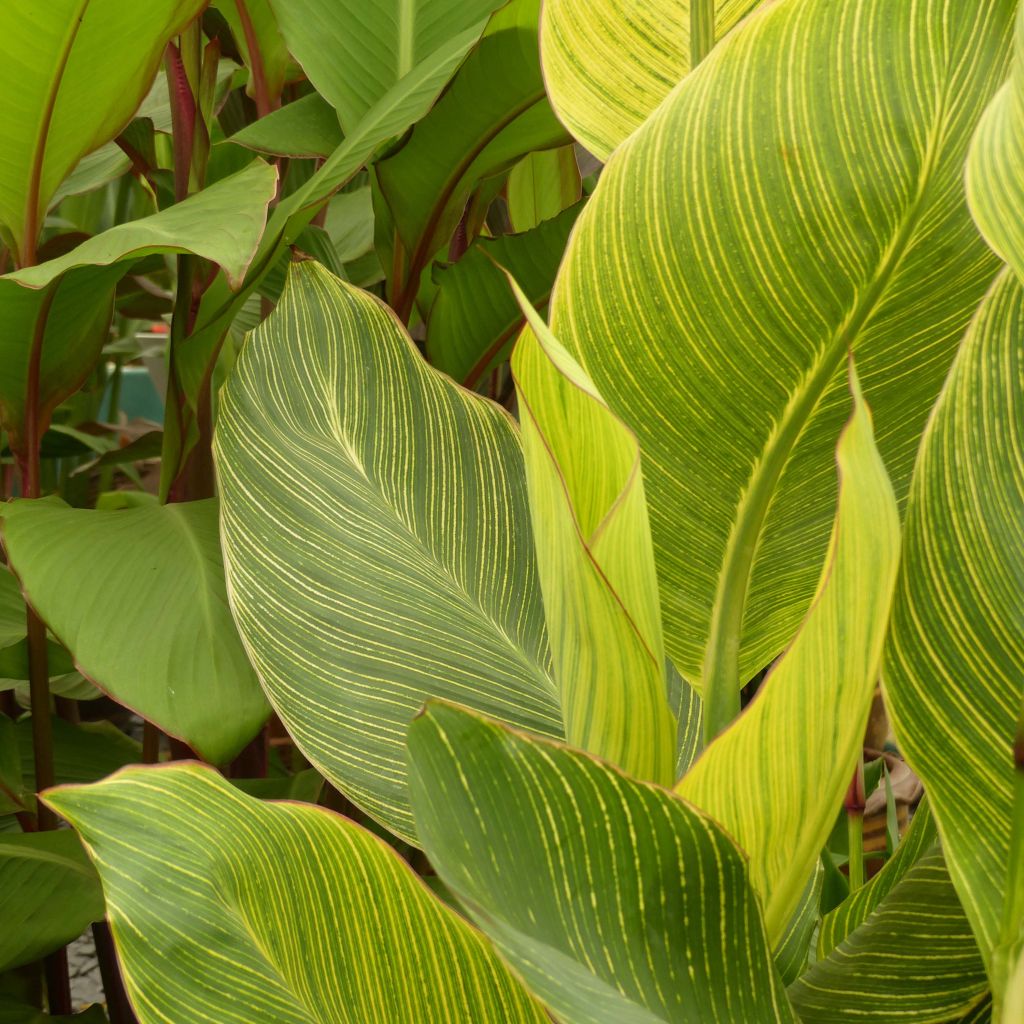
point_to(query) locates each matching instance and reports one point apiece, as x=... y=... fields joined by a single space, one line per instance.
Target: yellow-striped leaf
x=617 y=902
x=808 y=720
x=954 y=666
x=594 y=558
x=609 y=63
x=995 y=168
x=912 y=961
x=229 y=910
x=857 y=907
x=763 y=222
x=376 y=539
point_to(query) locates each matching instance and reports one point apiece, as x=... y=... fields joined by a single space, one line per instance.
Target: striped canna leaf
x=230 y=910
x=954 y=664
x=807 y=722
x=617 y=902
x=609 y=63
x=595 y=560
x=763 y=222
x=393 y=561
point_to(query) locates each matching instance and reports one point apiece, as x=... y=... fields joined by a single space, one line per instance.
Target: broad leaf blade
x=913 y=959
x=542 y=185
x=394 y=561
x=73 y=72
x=614 y=900
x=808 y=720
x=595 y=560
x=354 y=52
x=228 y=909
x=138 y=597
x=609 y=63
x=49 y=894
x=712 y=294
x=954 y=666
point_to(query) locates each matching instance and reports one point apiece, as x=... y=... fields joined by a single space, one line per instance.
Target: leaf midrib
x=722 y=654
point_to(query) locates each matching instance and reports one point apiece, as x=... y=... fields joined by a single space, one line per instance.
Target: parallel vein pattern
x=617 y=902
x=609 y=63
x=807 y=721
x=377 y=540
x=954 y=666
x=595 y=560
x=228 y=910
x=913 y=960
x=798 y=195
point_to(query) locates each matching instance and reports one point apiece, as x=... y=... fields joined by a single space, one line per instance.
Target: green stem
x=855 y=832
x=702 y=30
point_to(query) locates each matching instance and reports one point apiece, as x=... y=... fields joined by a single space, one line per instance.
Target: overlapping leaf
x=64 y=305
x=58 y=107
x=857 y=907
x=913 y=960
x=138 y=597
x=227 y=909
x=494 y=113
x=393 y=561
x=609 y=63
x=595 y=560
x=49 y=894
x=617 y=902
x=995 y=170
x=542 y=185
x=763 y=222
x=474 y=319
x=808 y=720
x=954 y=667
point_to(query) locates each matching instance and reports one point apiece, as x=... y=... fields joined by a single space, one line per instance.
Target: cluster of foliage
x=567 y=416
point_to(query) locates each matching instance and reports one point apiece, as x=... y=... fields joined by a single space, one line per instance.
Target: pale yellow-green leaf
x=595 y=560
x=995 y=168
x=797 y=196
x=229 y=910
x=776 y=777
x=541 y=186
x=954 y=664
x=609 y=63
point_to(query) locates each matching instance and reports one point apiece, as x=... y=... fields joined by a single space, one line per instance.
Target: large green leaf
x=82 y=752
x=762 y=223
x=995 y=169
x=49 y=894
x=494 y=113
x=474 y=318
x=856 y=908
x=913 y=960
x=72 y=73
x=64 y=305
x=386 y=107
x=138 y=597
x=808 y=720
x=617 y=902
x=393 y=561
x=306 y=128
x=954 y=666
x=609 y=63
x=230 y=910
x=595 y=560
x=354 y=52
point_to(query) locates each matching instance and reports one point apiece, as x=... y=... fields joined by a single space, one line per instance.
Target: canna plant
x=577 y=422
